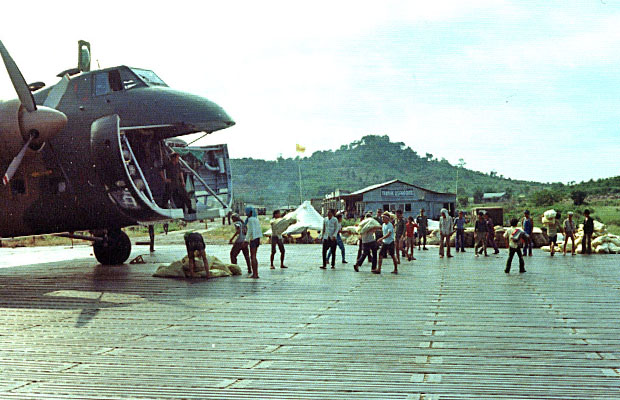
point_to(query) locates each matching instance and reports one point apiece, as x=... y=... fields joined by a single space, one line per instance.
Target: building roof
x=493 y=195
x=380 y=185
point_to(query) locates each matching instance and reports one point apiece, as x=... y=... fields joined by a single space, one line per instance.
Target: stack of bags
x=603 y=242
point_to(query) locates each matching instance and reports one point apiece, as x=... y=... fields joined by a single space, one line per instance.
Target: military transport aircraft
x=85 y=154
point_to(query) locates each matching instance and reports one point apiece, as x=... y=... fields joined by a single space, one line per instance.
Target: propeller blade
x=55 y=95
x=19 y=83
x=15 y=163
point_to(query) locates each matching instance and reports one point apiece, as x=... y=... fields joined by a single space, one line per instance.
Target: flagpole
x=299 y=169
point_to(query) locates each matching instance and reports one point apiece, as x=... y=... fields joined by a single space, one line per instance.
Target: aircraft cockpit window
x=149 y=77
x=115 y=80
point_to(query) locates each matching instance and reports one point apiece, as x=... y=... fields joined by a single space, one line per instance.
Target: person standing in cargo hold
x=175 y=184
x=330 y=230
x=239 y=244
x=253 y=235
x=528 y=227
x=422 y=221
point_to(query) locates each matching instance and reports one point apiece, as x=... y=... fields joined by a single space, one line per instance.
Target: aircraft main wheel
x=114 y=250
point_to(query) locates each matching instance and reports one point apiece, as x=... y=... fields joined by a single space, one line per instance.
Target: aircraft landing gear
x=114 y=249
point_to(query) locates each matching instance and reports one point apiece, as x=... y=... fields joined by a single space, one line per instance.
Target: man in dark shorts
x=194 y=242
x=388 y=243
x=277 y=241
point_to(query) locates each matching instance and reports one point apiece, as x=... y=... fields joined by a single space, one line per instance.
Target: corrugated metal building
x=396 y=194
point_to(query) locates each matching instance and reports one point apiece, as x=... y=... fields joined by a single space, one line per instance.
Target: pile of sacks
x=180 y=269
x=603 y=242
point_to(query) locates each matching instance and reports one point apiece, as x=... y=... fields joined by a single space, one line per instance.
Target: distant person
x=339 y=241
x=174 y=188
x=410 y=238
x=588 y=231
x=400 y=235
x=253 y=235
x=553 y=227
x=527 y=223
x=379 y=219
x=369 y=247
x=514 y=237
x=151 y=238
x=277 y=239
x=446 y=226
x=227 y=216
x=239 y=243
x=480 y=235
x=422 y=221
x=569 y=232
x=491 y=233
x=387 y=246
x=330 y=229
x=459 y=225
x=194 y=242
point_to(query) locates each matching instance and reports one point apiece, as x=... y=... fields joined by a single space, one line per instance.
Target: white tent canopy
x=307 y=218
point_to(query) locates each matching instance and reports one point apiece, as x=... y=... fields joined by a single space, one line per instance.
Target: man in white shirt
x=446 y=226
x=388 y=243
x=330 y=230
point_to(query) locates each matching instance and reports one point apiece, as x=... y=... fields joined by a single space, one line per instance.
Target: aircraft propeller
x=38 y=124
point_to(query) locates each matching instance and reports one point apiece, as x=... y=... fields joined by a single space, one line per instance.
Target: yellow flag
x=300 y=148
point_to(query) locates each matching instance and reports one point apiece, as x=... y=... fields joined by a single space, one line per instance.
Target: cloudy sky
x=530 y=89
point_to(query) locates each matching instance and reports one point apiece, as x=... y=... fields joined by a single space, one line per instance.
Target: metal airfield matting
x=441 y=329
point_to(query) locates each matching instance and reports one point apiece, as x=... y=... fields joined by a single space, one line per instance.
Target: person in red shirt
x=410 y=238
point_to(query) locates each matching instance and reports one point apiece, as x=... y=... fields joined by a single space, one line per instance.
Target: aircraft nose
x=189 y=112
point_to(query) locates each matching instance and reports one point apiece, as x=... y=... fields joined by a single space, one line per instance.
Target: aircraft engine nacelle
x=17 y=125
x=11 y=139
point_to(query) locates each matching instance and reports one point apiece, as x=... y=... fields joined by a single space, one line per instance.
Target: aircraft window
x=102 y=84
x=149 y=77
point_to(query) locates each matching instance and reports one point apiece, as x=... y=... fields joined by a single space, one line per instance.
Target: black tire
x=114 y=249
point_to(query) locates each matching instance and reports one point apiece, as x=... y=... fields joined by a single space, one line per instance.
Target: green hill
x=371 y=160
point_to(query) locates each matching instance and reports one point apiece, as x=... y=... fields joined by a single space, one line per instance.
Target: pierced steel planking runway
x=441 y=329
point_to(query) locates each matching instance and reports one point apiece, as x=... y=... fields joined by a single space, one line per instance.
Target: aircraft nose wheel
x=114 y=249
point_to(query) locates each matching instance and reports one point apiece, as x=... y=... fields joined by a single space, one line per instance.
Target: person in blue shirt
x=459 y=224
x=527 y=223
x=388 y=243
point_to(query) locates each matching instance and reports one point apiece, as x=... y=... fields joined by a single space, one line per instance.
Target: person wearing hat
x=569 y=232
x=422 y=221
x=446 y=226
x=387 y=241
x=369 y=247
x=527 y=223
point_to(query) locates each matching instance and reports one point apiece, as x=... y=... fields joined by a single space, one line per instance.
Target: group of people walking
x=395 y=237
